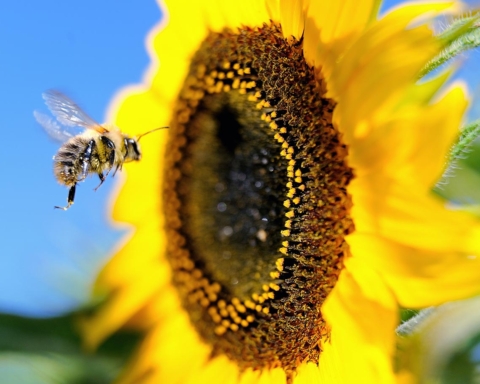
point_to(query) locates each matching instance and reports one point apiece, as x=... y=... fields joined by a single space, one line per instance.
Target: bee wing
x=68 y=113
x=54 y=130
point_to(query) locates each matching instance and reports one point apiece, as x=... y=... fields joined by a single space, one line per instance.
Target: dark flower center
x=255 y=197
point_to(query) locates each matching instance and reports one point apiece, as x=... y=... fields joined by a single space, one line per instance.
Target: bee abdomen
x=68 y=161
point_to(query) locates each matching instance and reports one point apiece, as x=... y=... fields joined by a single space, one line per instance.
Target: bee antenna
x=153 y=130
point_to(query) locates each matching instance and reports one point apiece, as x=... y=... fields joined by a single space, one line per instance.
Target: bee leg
x=111 y=154
x=86 y=160
x=119 y=166
x=111 y=160
x=102 y=179
x=71 y=197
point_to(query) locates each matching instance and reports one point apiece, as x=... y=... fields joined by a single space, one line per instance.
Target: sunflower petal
x=412 y=146
x=419 y=278
x=412 y=218
x=333 y=25
x=360 y=304
x=292 y=18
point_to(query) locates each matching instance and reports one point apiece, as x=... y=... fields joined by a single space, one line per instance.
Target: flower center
x=255 y=197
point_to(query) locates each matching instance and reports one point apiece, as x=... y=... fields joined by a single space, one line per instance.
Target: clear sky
x=89 y=50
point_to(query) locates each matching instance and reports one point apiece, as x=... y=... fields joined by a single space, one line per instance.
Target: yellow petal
x=403 y=214
x=419 y=278
x=292 y=18
x=121 y=306
x=374 y=75
x=332 y=25
x=160 y=358
x=363 y=316
x=412 y=146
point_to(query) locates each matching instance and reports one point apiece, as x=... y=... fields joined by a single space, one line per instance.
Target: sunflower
x=287 y=214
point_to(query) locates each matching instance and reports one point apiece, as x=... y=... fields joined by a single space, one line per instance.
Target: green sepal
x=461 y=35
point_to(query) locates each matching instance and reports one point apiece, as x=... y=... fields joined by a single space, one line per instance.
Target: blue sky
x=89 y=50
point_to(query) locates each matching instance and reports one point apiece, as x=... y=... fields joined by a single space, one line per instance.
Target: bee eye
x=134 y=145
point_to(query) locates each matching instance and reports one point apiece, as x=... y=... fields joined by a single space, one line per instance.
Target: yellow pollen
x=279 y=264
x=219 y=87
x=226 y=323
x=241 y=308
x=223 y=312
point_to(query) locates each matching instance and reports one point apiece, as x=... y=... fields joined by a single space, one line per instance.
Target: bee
x=98 y=149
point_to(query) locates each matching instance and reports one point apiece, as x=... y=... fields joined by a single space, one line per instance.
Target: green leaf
x=49 y=350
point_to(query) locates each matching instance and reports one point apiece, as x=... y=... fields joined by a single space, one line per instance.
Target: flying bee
x=98 y=149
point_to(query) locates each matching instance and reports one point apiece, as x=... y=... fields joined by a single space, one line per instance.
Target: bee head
x=132 y=149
